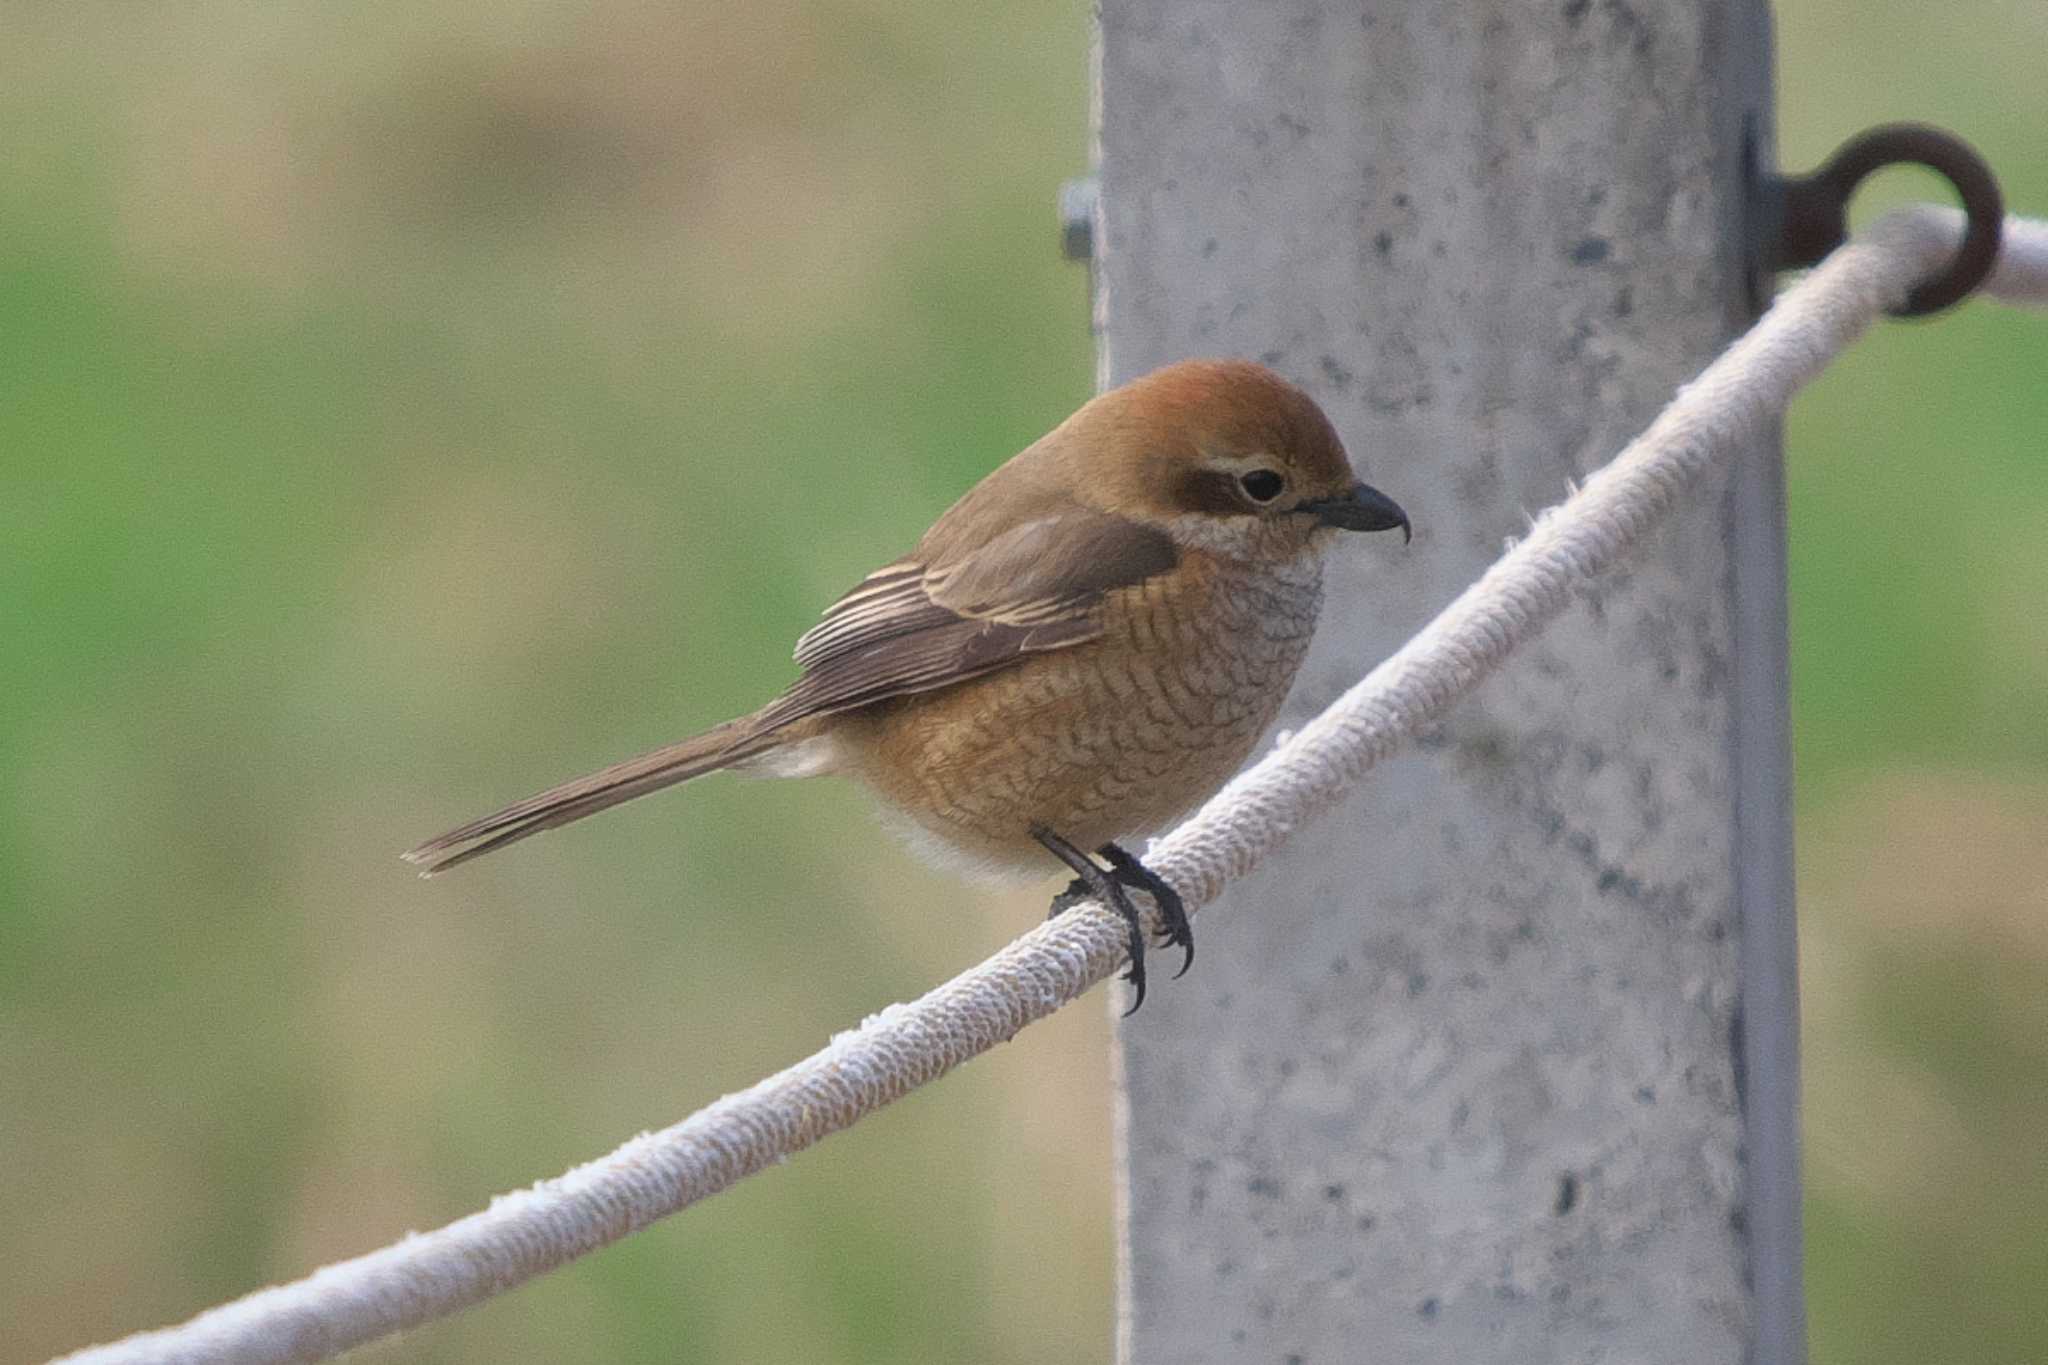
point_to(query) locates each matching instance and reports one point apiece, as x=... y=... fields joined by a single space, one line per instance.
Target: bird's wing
x=910 y=627
x=913 y=627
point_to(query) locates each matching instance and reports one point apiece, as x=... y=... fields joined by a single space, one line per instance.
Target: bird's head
x=1225 y=455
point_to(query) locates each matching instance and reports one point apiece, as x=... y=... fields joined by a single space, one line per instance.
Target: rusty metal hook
x=1810 y=213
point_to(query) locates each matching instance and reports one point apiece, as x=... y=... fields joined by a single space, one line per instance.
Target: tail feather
x=716 y=748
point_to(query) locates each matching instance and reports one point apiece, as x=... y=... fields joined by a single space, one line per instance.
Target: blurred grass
x=1918 y=493
x=400 y=406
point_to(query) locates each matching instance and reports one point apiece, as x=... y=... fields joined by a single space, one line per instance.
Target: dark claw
x=1113 y=887
x=1092 y=882
x=1076 y=892
x=1178 y=932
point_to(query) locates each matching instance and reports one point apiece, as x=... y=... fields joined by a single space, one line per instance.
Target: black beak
x=1364 y=508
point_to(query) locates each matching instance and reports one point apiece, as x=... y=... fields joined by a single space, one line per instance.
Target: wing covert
x=911 y=627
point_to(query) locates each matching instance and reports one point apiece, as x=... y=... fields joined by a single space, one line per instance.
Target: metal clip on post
x=1805 y=217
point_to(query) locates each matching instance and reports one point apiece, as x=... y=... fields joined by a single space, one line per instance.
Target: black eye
x=1262 y=485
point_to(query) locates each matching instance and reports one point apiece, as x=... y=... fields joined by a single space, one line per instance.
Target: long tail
x=720 y=747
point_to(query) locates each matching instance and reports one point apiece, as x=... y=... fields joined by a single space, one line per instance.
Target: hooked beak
x=1364 y=508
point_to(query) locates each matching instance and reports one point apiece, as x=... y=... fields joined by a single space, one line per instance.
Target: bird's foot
x=1176 y=931
x=1113 y=886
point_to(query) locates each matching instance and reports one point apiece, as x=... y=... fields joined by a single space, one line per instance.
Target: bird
x=1079 y=651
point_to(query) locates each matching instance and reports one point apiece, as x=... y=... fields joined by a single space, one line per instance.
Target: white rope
x=431 y=1275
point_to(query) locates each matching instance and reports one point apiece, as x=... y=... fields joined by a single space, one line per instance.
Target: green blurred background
x=404 y=405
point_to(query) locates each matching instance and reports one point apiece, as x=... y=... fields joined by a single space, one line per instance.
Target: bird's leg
x=1091 y=881
x=1125 y=868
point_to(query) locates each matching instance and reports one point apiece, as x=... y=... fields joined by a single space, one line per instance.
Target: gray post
x=1470 y=1074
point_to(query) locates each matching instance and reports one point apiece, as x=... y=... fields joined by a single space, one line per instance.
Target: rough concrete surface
x=1455 y=1078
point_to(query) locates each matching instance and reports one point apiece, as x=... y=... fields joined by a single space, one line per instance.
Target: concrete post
x=1466 y=1075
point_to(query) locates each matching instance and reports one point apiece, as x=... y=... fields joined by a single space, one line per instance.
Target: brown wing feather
x=911 y=627
x=888 y=601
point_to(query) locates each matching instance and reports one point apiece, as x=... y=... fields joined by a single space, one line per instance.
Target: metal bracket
x=1079 y=199
x=1800 y=219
